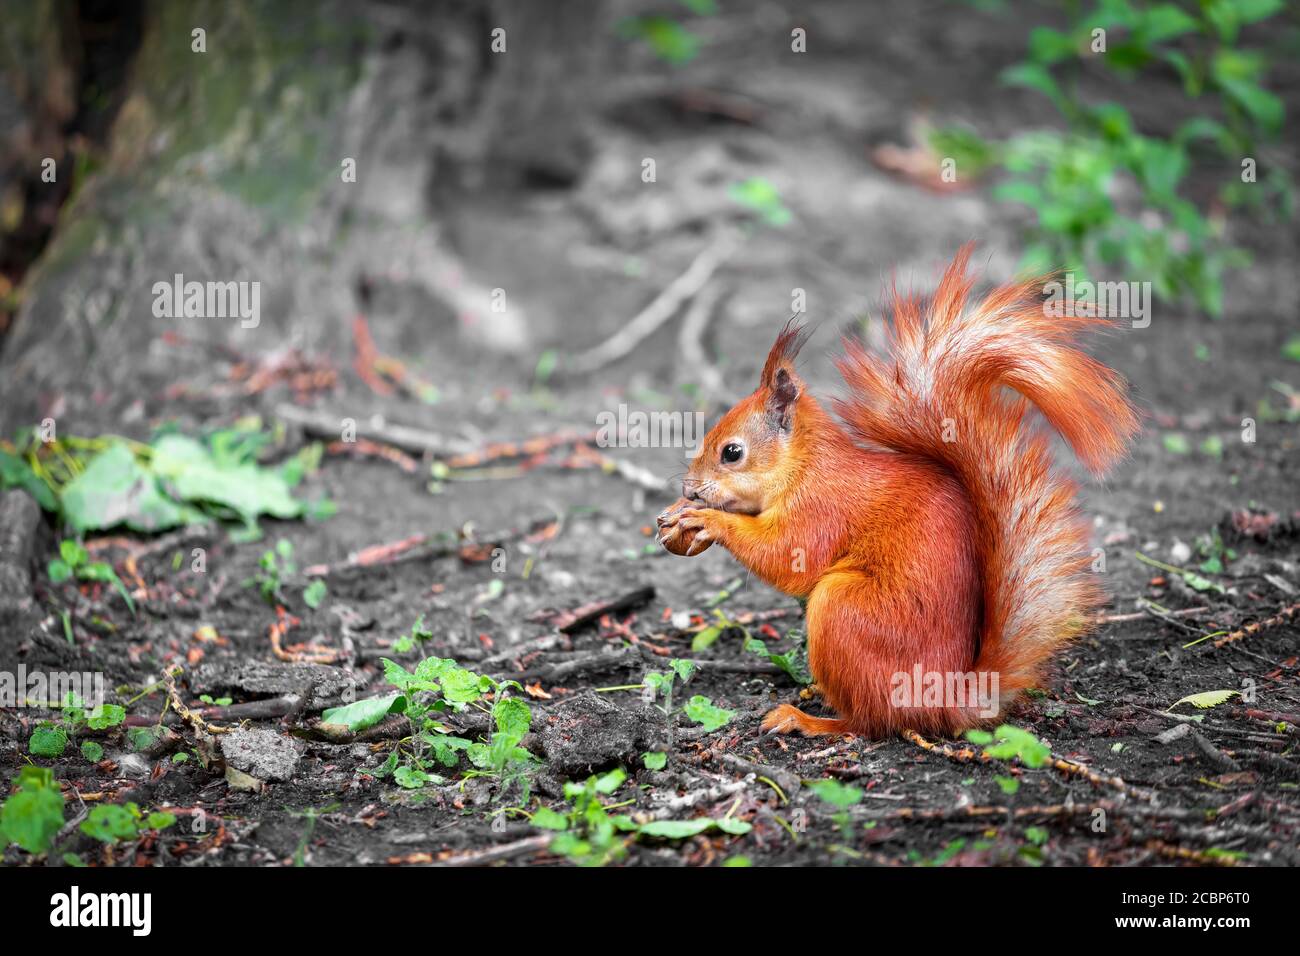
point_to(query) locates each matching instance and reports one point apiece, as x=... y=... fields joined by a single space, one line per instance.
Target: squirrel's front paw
x=683 y=531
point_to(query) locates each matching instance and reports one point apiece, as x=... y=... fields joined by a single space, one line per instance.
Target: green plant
x=110 y=481
x=439 y=686
x=1008 y=742
x=274 y=568
x=33 y=815
x=590 y=836
x=840 y=796
x=705 y=713
x=50 y=738
x=1071 y=178
x=1216 y=555
x=670 y=40
x=74 y=561
x=794 y=662
x=113 y=822
x=415 y=638
x=761 y=197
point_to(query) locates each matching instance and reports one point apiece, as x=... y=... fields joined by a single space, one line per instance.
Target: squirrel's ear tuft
x=782 y=395
x=784 y=350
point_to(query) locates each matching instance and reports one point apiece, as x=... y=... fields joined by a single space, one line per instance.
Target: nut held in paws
x=672 y=537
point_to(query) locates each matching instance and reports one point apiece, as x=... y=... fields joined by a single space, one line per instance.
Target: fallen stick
x=660 y=310
x=1067 y=767
x=566 y=622
x=1286 y=614
x=495 y=854
x=329 y=425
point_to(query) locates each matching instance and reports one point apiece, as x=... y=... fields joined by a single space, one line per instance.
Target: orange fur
x=928 y=528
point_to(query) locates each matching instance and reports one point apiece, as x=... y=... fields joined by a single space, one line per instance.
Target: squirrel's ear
x=782 y=395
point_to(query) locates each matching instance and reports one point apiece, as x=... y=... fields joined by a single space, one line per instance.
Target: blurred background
x=474 y=222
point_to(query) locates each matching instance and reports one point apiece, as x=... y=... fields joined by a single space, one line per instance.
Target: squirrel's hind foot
x=788 y=719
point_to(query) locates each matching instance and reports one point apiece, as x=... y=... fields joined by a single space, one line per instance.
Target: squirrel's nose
x=690 y=488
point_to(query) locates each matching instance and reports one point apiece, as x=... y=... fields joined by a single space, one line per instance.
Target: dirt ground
x=514 y=545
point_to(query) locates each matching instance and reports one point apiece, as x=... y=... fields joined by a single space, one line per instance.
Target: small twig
x=200 y=726
x=533 y=844
x=1194 y=856
x=329 y=425
x=1286 y=614
x=1067 y=767
x=1216 y=757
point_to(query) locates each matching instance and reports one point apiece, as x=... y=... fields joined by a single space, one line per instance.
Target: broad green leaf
x=115 y=490
x=1206 y=699
x=835 y=793
x=362 y=713
x=702 y=710
x=33 y=815
x=314 y=593
x=16 y=473
x=548 y=819
x=512 y=717
x=676 y=829
x=191 y=474
x=47 y=740
x=105 y=716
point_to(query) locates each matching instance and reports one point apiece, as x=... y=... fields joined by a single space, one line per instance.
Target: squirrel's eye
x=732 y=453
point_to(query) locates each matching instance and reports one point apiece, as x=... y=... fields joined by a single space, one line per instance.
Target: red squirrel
x=928 y=527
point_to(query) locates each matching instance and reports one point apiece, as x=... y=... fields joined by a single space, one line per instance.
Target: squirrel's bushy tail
x=942 y=392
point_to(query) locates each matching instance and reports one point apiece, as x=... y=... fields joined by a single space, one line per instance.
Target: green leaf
x=1165 y=21
x=701 y=710
x=16 y=473
x=548 y=819
x=314 y=593
x=110 y=822
x=115 y=490
x=610 y=781
x=92 y=751
x=105 y=716
x=1009 y=785
x=685 y=670
x=410 y=777
x=362 y=713
x=1050 y=46
x=34 y=815
x=47 y=740
x=1176 y=443
x=512 y=717
x=835 y=793
x=1292 y=349
x=59 y=571
x=192 y=475
x=1206 y=699
x=142 y=738
x=676 y=829
x=707 y=637
x=1036 y=835
x=73 y=554
x=1033 y=76
x=1014 y=742
x=654 y=760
